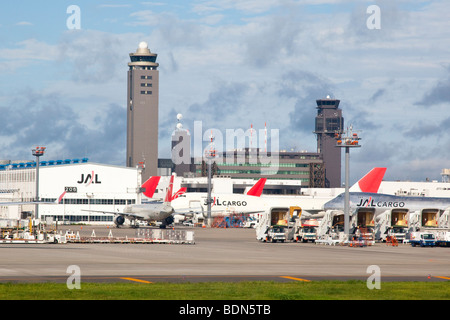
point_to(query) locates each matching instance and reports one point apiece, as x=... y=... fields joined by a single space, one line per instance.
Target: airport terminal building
x=78 y=185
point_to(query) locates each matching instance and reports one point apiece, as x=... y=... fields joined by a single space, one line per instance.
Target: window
x=146 y=92
x=146 y=77
x=146 y=85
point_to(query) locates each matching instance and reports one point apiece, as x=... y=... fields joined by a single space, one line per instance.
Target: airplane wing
x=14 y=203
x=130 y=215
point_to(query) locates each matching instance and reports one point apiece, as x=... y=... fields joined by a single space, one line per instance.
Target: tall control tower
x=329 y=122
x=142 y=111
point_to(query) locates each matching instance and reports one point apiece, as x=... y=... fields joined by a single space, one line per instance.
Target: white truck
x=305 y=234
x=276 y=233
x=443 y=239
x=423 y=239
x=275 y=224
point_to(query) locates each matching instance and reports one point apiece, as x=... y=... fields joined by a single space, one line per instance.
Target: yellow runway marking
x=296 y=279
x=442 y=277
x=137 y=280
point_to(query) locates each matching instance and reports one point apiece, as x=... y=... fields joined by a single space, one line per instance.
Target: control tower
x=181 y=149
x=142 y=111
x=329 y=122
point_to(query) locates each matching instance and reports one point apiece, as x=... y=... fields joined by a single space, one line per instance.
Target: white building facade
x=80 y=187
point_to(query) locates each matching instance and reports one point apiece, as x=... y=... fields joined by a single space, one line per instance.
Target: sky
x=231 y=64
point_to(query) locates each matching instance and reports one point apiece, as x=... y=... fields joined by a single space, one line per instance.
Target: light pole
x=209 y=154
x=349 y=141
x=37 y=152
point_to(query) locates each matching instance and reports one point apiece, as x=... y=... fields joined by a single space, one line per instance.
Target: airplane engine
x=167 y=221
x=119 y=220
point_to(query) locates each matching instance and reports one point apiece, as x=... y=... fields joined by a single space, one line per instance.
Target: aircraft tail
x=179 y=193
x=370 y=182
x=257 y=189
x=168 y=198
x=150 y=186
x=58 y=201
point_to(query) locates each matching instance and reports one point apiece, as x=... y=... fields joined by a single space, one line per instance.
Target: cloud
x=304 y=88
x=439 y=94
x=423 y=130
x=223 y=103
x=244 y=6
x=25 y=53
x=377 y=95
x=94 y=56
x=114 y=5
x=46 y=119
x=24 y=23
x=270 y=39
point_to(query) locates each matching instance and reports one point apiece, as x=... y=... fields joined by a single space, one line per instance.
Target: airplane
x=429 y=208
x=255 y=202
x=387 y=211
x=223 y=203
x=313 y=205
x=160 y=212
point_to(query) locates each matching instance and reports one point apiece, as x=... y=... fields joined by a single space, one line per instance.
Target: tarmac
x=231 y=254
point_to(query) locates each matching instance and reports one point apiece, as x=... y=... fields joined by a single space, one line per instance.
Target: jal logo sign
x=90 y=178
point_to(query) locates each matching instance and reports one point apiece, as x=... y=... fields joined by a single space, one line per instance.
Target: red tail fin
x=179 y=193
x=168 y=198
x=371 y=181
x=257 y=189
x=61 y=197
x=150 y=186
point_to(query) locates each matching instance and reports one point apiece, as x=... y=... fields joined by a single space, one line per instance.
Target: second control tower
x=329 y=122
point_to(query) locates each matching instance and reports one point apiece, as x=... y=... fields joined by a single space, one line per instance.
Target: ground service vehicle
x=305 y=234
x=276 y=233
x=423 y=239
x=274 y=221
x=443 y=239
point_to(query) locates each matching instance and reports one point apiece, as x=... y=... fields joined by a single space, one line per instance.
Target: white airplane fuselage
x=150 y=211
x=226 y=204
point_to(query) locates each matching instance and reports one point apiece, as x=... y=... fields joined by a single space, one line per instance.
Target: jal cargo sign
x=90 y=178
x=370 y=203
x=217 y=202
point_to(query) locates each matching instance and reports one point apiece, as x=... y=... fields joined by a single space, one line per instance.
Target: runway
x=217 y=255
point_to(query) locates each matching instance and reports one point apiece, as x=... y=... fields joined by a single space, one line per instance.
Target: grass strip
x=257 y=290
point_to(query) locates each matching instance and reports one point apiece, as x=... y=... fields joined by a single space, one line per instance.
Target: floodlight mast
x=350 y=140
x=37 y=152
x=210 y=154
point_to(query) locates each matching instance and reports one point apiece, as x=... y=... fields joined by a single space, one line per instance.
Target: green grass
x=258 y=290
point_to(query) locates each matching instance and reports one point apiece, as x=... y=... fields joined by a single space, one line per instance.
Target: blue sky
x=231 y=64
